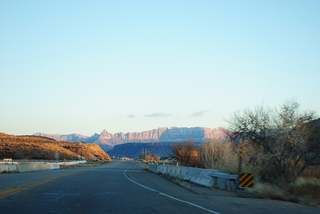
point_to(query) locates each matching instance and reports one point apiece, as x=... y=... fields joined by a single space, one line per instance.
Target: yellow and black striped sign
x=246 y=180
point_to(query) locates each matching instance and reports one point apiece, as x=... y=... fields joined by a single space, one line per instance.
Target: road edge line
x=169 y=196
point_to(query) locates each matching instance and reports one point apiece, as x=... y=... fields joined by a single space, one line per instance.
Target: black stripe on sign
x=246 y=180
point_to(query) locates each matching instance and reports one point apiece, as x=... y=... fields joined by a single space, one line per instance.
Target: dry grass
x=180 y=182
x=304 y=191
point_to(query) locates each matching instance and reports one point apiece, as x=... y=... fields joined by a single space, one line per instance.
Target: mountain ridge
x=107 y=141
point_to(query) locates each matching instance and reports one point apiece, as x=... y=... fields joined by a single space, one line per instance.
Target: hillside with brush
x=35 y=147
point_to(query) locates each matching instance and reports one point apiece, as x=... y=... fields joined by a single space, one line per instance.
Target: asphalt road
x=122 y=187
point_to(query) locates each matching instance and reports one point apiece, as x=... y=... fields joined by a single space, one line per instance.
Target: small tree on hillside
x=186 y=153
x=278 y=141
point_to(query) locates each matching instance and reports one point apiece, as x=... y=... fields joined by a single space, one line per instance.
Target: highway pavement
x=121 y=187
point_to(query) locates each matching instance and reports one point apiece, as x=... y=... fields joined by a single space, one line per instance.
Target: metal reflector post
x=240 y=156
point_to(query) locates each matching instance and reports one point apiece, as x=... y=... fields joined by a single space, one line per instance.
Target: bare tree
x=212 y=153
x=280 y=142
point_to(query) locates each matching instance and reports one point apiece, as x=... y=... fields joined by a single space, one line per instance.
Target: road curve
x=120 y=187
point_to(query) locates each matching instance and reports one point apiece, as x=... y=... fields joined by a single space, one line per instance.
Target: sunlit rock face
x=173 y=134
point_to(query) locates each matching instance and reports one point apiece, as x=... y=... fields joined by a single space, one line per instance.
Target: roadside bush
x=303 y=191
x=223 y=156
x=269 y=191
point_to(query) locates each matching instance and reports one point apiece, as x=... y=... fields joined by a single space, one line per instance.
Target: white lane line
x=169 y=196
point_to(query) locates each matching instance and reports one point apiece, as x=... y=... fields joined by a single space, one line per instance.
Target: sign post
x=240 y=156
x=245 y=179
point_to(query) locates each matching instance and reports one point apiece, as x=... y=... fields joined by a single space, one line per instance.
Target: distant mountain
x=107 y=141
x=135 y=150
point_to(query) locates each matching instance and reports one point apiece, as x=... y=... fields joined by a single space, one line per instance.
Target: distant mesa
x=107 y=141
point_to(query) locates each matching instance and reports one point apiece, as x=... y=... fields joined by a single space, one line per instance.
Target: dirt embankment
x=34 y=147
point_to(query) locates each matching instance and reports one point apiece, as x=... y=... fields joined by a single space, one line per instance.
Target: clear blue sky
x=125 y=66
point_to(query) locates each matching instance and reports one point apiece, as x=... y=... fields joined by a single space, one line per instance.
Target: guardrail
x=225 y=181
x=204 y=177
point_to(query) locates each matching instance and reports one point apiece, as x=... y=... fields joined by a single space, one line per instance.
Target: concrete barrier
x=168 y=170
x=183 y=172
x=160 y=169
x=204 y=177
x=174 y=170
x=200 y=176
x=192 y=173
x=195 y=175
x=8 y=168
x=153 y=168
x=36 y=166
x=178 y=171
x=28 y=167
x=68 y=163
x=164 y=169
x=4 y=168
x=32 y=167
x=54 y=165
x=12 y=168
x=82 y=161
